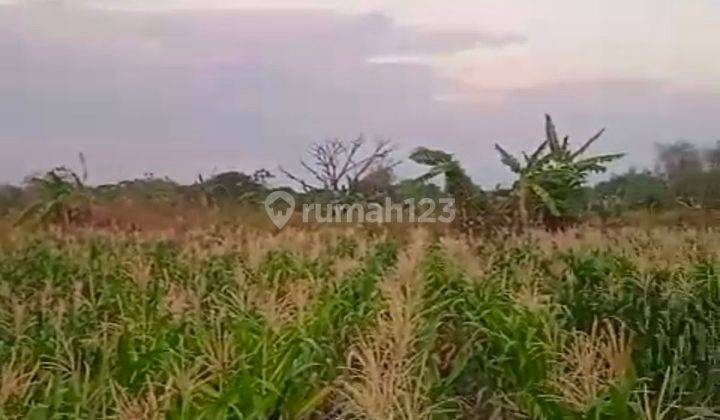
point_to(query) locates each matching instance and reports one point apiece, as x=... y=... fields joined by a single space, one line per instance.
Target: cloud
x=186 y=91
x=191 y=91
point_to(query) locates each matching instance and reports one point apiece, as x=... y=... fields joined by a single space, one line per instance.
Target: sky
x=185 y=87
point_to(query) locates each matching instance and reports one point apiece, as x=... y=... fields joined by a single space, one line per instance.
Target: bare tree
x=712 y=156
x=338 y=166
x=678 y=158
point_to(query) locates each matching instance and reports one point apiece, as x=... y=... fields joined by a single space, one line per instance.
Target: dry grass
x=466 y=253
x=147 y=406
x=384 y=380
x=16 y=378
x=181 y=301
x=591 y=363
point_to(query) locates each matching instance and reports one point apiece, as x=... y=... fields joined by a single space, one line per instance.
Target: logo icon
x=277 y=216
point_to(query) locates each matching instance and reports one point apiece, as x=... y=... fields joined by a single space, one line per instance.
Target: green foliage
x=101 y=326
x=232 y=187
x=700 y=188
x=470 y=200
x=63 y=199
x=636 y=190
x=417 y=190
x=551 y=180
x=120 y=334
x=457 y=183
x=149 y=189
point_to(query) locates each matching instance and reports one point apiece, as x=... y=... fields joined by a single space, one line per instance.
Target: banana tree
x=561 y=151
x=552 y=175
x=441 y=163
x=63 y=197
x=532 y=176
x=470 y=200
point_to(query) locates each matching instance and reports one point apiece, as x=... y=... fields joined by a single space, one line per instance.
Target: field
x=339 y=323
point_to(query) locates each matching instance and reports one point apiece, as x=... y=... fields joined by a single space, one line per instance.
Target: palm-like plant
x=469 y=198
x=552 y=175
x=561 y=151
x=63 y=197
x=530 y=175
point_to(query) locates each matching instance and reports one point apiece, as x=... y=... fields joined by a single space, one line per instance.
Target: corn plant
x=581 y=325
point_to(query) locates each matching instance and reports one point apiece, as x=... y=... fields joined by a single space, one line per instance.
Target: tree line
x=551 y=187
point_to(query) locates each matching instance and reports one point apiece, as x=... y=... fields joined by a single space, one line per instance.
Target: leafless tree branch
x=338 y=166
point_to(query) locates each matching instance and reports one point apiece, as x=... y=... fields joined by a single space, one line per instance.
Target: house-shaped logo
x=277 y=216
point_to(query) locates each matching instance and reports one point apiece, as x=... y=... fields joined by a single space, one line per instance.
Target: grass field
x=350 y=324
